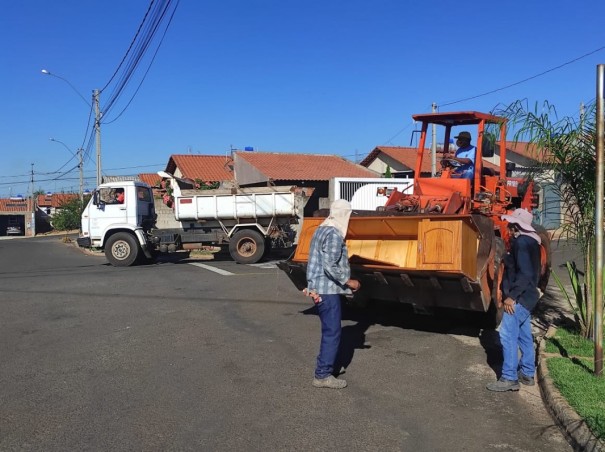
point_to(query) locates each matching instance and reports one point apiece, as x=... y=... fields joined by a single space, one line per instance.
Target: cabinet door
x=439 y=245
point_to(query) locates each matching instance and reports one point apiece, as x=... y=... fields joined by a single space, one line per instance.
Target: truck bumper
x=83 y=242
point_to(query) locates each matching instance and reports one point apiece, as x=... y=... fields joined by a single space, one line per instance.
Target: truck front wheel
x=247 y=246
x=122 y=249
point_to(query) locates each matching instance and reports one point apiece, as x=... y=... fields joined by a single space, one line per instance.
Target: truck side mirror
x=96 y=199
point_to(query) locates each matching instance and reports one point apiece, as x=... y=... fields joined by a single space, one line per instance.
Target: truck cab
x=119 y=215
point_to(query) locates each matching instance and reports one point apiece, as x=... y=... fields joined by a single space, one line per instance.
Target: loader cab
x=475 y=185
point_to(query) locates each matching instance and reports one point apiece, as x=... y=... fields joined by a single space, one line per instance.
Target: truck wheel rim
x=246 y=247
x=120 y=250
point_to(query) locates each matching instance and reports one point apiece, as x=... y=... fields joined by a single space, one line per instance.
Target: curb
x=572 y=425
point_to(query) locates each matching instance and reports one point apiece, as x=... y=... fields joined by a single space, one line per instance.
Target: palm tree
x=566 y=148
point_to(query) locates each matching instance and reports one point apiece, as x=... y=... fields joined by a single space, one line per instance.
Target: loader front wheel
x=494 y=314
x=122 y=249
x=247 y=246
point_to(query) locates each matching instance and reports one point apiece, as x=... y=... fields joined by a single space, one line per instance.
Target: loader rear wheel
x=122 y=249
x=247 y=246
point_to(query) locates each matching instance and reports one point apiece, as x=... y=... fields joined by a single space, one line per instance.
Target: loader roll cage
x=486 y=183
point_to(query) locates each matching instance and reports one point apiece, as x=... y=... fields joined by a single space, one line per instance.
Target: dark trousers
x=330 y=315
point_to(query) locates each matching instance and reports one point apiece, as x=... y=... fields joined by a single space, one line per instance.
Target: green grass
x=572 y=374
x=569 y=343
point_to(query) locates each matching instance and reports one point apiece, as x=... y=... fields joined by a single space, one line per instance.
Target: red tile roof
x=11 y=205
x=528 y=150
x=407 y=157
x=151 y=179
x=56 y=199
x=285 y=166
x=210 y=168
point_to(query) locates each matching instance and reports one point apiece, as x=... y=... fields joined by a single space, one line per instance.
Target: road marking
x=212 y=269
x=270 y=264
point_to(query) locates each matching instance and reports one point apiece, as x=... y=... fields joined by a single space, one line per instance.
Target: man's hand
x=354 y=284
x=509 y=305
x=314 y=295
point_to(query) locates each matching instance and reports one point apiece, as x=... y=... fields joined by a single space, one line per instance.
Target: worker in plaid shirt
x=328 y=277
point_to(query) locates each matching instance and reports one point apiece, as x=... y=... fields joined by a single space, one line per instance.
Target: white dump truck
x=121 y=220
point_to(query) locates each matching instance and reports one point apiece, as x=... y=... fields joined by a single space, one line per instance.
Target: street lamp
x=80 y=166
x=95 y=100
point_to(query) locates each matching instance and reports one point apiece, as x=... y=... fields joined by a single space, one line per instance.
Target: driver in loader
x=463 y=161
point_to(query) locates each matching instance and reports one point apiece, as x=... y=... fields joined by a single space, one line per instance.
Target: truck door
x=145 y=207
x=111 y=209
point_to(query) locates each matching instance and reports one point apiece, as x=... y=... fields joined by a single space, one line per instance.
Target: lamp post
x=80 y=166
x=95 y=100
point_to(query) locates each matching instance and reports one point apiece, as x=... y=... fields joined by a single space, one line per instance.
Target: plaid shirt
x=328 y=268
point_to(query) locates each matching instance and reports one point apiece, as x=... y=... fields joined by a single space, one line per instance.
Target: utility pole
x=95 y=99
x=600 y=193
x=81 y=167
x=33 y=205
x=434 y=144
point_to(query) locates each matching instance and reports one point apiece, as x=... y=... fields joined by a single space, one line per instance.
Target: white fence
x=368 y=193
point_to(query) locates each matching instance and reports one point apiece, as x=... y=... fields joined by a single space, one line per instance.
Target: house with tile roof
x=209 y=168
x=51 y=202
x=15 y=212
x=402 y=160
x=47 y=205
x=253 y=169
x=151 y=179
x=524 y=158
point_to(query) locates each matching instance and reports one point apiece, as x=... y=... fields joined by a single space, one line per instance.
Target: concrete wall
x=165 y=216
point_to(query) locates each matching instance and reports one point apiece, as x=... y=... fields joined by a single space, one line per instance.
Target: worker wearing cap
x=464 y=158
x=521 y=294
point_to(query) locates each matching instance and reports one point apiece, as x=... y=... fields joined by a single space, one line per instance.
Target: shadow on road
x=402 y=316
x=444 y=321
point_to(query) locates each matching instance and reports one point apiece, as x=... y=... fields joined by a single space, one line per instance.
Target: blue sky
x=324 y=77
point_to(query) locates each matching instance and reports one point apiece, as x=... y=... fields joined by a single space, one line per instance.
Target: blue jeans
x=330 y=316
x=515 y=335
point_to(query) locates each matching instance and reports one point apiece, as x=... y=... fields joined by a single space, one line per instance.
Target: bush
x=69 y=216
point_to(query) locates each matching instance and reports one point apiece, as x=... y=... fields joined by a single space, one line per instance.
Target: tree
x=566 y=148
x=68 y=216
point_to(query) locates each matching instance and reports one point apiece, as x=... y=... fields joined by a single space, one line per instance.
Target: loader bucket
x=429 y=261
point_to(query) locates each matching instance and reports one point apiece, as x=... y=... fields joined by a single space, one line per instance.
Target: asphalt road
x=176 y=356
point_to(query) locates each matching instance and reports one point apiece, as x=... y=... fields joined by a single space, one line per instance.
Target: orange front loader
x=442 y=246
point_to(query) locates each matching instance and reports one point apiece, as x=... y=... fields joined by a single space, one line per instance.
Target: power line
x=139 y=51
x=147 y=71
x=522 y=81
x=130 y=46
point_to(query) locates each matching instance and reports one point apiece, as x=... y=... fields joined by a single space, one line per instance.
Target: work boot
x=524 y=379
x=503 y=385
x=329 y=382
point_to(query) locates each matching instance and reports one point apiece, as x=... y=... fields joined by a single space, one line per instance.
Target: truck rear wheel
x=122 y=249
x=247 y=246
